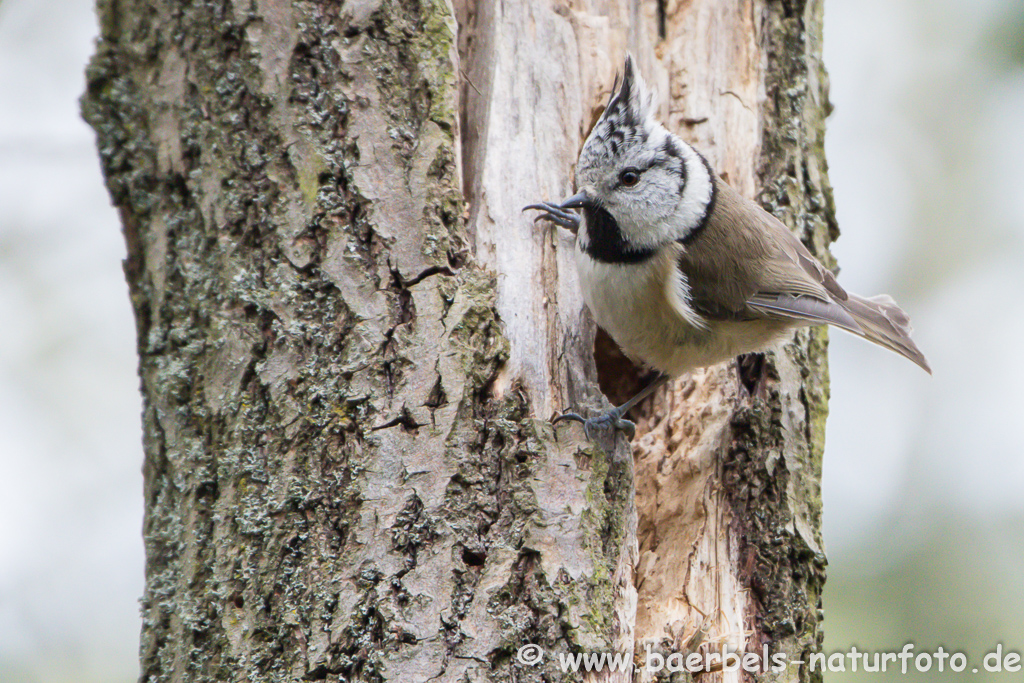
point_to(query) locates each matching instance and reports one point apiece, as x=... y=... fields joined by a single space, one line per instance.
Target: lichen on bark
x=334 y=488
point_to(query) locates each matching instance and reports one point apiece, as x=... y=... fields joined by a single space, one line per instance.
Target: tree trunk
x=351 y=340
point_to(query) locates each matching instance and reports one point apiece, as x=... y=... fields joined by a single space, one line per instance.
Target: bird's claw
x=556 y=214
x=610 y=420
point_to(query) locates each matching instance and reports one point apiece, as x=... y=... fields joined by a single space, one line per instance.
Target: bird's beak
x=574 y=202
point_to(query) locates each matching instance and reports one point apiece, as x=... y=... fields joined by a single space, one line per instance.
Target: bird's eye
x=630 y=177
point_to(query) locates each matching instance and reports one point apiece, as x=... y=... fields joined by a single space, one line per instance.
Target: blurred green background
x=924 y=476
x=924 y=512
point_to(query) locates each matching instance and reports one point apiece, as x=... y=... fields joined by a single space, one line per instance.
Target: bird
x=683 y=271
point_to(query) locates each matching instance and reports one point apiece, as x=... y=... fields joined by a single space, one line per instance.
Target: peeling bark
x=351 y=339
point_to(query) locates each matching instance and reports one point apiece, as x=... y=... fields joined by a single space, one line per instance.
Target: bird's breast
x=635 y=304
x=630 y=302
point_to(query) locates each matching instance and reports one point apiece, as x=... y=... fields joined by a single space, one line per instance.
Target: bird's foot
x=559 y=214
x=610 y=420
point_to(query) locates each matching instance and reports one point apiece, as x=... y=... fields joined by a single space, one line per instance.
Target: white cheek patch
x=689 y=207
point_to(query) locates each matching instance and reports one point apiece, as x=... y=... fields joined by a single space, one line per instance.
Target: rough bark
x=351 y=339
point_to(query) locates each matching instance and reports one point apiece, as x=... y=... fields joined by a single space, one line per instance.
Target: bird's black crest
x=627 y=111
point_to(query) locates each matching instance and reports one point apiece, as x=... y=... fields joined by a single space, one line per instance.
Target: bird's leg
x=559 y=214
x=614 y=417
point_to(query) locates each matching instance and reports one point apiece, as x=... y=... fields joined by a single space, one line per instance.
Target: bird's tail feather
x=883 y=322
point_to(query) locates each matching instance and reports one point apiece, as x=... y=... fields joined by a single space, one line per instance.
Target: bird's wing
x=797 y=285
x=807 y=308
x=745 y=264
